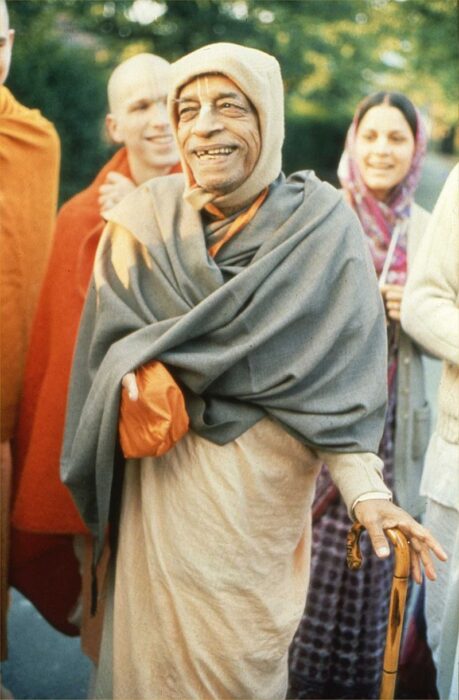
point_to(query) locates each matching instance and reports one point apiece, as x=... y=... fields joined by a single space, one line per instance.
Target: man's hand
x=114 y=189
x=130 y=384
x=378 y=514
x=392 y=295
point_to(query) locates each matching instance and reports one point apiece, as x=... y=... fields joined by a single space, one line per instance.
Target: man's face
x=6 y=43
x=139 y=120
x=218 y=133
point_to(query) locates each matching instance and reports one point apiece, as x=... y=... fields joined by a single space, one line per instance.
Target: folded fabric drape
x=286 y=321
x=150 y=426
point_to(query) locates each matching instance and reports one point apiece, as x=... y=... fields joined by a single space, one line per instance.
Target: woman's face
x=384 y=149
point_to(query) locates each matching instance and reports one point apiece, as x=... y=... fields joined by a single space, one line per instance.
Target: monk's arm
x=359 y=474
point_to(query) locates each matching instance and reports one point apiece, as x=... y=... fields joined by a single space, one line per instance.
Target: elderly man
x=45 y=520
x=230 y=276
x=29 y=180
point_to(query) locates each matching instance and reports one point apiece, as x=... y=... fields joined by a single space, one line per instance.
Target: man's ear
x=113 y=129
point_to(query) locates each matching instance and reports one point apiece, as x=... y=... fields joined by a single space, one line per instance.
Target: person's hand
x=392 y=295
x=114 y=189
x=130 y=384
x=378 y=514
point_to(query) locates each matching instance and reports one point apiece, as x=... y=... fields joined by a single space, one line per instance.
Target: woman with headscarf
x=338 y=648
x=204 y=272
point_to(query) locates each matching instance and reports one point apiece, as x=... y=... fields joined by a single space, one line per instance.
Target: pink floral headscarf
x=381 y=219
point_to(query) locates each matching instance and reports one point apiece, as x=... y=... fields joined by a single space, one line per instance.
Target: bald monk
x=29 y=174
x=44 y=520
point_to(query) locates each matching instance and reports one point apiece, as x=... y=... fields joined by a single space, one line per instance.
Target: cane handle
x=397 y=599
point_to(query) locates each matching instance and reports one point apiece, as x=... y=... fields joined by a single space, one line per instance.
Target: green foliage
x=62 y=81
x=312 y=144
x=332 y=53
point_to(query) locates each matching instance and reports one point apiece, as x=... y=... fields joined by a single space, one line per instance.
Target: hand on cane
x=378 y=514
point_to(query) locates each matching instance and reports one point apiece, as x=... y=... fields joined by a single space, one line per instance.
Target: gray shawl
x=287 y=321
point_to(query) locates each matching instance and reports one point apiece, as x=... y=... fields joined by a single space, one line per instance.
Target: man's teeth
x=214 y=152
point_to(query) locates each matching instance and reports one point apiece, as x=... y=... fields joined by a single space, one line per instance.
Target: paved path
x=42 y=664
x=46 y=665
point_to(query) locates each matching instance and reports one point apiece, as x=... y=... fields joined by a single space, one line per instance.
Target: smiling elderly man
x=229 y=275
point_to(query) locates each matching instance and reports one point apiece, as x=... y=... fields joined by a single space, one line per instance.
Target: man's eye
x=140 y=107
x=232 y=108
x=186 y=113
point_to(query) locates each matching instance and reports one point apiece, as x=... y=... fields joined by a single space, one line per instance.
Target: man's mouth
x=213 y=152
x=160 y=140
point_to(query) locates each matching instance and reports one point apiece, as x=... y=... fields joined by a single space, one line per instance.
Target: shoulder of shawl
x=314 y=187
x=157 y=198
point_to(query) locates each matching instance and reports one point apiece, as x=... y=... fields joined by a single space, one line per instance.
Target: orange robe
x=29 y=180
x=43 y=565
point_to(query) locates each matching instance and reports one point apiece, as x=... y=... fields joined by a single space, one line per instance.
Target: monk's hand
x=113 y=190
x=378 y=514
x=130 y=384
x=392 y=295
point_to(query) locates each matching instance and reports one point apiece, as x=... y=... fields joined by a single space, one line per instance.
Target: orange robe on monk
x=29 y=180
x=43 y=565
x=44 y=518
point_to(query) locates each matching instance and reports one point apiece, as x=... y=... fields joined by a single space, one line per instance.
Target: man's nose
x=207 y=122
x=159 y=116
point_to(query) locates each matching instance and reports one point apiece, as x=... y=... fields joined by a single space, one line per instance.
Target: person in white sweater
x=430 y=314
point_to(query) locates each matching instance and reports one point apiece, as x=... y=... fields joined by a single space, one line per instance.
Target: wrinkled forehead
x=208 y=86
x=133 y=83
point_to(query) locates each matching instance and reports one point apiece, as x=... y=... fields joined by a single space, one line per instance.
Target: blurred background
x=332 y=54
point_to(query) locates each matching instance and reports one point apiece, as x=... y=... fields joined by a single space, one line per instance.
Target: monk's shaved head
x=6 y=42
x=137 y=94
x=4 y=19
x=138 y=70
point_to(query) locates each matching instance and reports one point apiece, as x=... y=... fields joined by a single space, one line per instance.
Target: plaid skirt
x=338 y=649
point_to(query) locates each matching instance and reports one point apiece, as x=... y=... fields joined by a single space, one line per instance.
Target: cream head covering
x=258 y=76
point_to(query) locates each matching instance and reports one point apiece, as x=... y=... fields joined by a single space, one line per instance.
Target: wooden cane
x=397 y=600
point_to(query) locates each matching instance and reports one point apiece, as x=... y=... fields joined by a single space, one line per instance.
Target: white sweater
x=430 y=308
